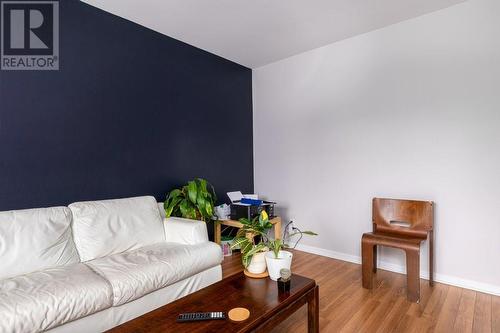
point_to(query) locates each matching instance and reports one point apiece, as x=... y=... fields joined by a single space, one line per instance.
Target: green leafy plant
x=277 y=245
x=259 y=226
x=245 y=238
x=195 y=201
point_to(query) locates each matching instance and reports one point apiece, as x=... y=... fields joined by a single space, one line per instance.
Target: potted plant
x=278 y=258
x=252 y=253
x=193 y=201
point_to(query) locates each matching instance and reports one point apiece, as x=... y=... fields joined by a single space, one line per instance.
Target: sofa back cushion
x=101 y=228
x=35 y=239
x=161 y=208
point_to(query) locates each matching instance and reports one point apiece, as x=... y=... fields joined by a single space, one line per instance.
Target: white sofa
x=94 y=265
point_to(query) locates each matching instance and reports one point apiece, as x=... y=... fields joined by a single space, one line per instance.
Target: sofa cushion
x=162 y=210
x=35 y=239
x=185 y=231
x=136 y=273
x=106 y=227
x=42 y=300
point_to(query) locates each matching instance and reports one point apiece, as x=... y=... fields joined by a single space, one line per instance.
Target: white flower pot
x=274 y=265
x=258 y=263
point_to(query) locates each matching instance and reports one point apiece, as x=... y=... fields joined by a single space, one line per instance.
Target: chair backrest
x=403 y=217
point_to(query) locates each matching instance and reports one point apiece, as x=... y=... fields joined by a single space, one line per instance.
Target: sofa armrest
x=185 y=231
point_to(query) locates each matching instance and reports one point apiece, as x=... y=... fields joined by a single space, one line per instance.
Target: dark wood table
x=267 y=307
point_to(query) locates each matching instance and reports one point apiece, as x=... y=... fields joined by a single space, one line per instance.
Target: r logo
x=30 y=35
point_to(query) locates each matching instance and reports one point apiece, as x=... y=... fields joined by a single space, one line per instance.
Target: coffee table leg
x=313 y=312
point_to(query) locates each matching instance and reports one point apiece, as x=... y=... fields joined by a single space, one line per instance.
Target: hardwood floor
x=346 y=307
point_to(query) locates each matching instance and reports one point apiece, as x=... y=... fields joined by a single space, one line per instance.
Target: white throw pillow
x=101 y=228
x=35 y=239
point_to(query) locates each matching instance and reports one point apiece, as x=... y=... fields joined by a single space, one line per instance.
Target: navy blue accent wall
x=131 y=112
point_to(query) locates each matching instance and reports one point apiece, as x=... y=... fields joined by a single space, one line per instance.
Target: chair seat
x=397 y=241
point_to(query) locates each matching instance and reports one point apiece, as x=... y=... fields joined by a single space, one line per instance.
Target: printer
x=248 y=206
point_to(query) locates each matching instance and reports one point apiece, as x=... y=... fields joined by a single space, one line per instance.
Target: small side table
x=275 y=221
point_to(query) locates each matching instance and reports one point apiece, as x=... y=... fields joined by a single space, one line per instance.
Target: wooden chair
x=401 y=224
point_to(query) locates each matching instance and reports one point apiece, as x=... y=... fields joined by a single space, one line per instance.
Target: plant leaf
x=245 y=260
x=246 y=247
x=209 y=208
x=241 y=233
x=194 y=213
x=202 y=185
x=248 y=255
x=310 y=233
x=170 y=208
x=212 y=193
x=171 y=201
x=201 y=204
x=276 y=245
x=192 y=191
x=241 y=242
x=257 y=248
x=174 y=193
x=244 y=220
x=185 y=207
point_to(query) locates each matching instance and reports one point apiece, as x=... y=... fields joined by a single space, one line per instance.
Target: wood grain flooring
x=346 y=307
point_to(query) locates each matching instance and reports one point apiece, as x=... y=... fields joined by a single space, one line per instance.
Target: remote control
x=195 y=316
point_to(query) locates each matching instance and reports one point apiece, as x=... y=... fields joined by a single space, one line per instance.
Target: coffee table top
x=260 y=296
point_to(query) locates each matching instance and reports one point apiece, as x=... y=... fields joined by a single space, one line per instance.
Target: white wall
x=408 y=111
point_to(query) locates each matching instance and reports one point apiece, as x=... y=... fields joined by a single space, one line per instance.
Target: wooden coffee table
x=260 y=296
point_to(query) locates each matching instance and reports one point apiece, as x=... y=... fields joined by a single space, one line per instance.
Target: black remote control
x=195 y=316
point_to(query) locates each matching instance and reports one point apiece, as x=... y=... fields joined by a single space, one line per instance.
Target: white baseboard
x=442 y=278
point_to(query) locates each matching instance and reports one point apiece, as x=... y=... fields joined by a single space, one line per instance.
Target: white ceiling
x=257 y=32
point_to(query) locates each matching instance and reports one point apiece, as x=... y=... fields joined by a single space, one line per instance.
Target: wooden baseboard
x=442 y=278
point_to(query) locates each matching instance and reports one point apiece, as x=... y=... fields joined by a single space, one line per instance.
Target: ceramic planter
x=258 y=263
x=274 y=265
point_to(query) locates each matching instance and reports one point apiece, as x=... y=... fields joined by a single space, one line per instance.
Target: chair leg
x=413 y=275
x=367 y=263
x=431 y=258
x=374 y=258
